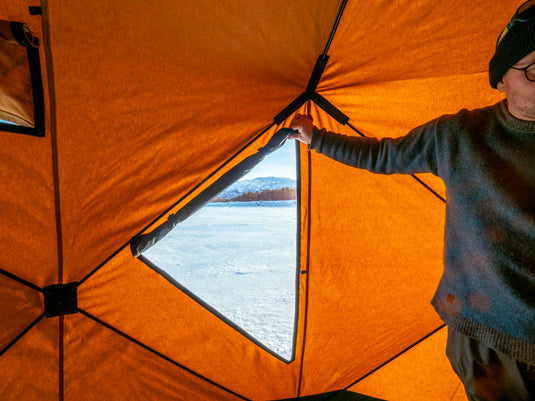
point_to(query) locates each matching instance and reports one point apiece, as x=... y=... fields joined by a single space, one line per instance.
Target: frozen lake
x=240 y=258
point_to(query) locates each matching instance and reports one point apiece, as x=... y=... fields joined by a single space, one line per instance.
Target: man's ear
x=500 y=86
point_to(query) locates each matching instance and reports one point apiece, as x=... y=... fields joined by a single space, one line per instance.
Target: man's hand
x=304 y=127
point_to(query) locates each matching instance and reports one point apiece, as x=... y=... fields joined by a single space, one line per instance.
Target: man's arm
x=413 y=153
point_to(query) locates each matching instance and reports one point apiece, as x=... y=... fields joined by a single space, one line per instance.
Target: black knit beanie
x=515 y=43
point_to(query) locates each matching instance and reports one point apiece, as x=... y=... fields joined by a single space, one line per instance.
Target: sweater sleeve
x=413 y=153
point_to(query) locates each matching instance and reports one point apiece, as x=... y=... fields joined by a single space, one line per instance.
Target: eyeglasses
x=529 y=71
x=525 y=13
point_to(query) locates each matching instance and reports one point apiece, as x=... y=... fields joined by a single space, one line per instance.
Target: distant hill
x=268 y=186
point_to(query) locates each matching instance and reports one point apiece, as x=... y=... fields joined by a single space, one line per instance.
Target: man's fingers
x=300 y=116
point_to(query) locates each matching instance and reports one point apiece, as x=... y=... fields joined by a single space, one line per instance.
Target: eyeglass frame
x=525 y=69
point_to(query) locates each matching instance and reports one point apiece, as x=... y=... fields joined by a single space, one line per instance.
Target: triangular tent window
x=238 y=254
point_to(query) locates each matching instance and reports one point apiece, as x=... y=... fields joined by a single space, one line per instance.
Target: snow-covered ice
x=240 y=258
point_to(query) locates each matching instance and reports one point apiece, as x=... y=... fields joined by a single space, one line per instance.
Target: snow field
x=240 y=258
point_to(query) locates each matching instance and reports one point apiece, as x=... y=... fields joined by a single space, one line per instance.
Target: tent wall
x=148 y=103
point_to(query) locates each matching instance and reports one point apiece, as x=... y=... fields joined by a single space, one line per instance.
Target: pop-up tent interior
x=122 y=119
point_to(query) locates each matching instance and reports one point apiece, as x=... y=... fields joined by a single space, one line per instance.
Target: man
x=486 y=158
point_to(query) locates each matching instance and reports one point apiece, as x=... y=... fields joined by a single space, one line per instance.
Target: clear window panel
x=238 y=254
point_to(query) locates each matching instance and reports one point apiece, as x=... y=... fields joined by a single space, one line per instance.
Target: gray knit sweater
x=486 y=158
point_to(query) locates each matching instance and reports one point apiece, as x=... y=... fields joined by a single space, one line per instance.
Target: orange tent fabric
x=146 y=104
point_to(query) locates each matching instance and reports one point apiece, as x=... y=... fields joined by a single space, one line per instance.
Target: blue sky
x=280 y=163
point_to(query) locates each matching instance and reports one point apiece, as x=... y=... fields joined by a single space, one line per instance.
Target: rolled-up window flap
x=142 y=242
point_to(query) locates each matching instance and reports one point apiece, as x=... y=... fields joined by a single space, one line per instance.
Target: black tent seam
x=307 y=279
x=395 y=356
x=298 y=250
x=20 y=280
x=428 y=188
x=80 y=282
x=49 y=60
x=166 y=211
x=18 y=337
x=334 y=28
x=53 y=138
x=159 y=354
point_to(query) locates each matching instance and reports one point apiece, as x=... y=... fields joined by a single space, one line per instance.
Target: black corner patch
x=36 y=11
x=61 y=299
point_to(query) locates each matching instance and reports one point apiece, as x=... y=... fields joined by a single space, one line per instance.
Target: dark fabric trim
x=330 y=109
x=321 y=63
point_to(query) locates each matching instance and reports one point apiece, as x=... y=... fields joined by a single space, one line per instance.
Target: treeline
x=266 y=195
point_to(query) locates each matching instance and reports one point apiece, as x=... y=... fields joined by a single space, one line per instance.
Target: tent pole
x=335 y=26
